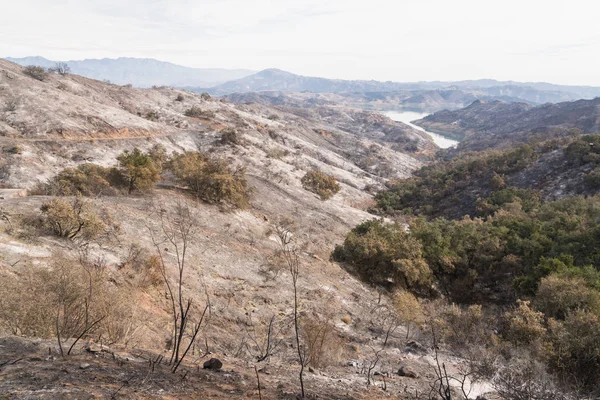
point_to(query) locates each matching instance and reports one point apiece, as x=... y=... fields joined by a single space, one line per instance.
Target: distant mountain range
x=142 y=72
x=278 y=80
x=429 y=101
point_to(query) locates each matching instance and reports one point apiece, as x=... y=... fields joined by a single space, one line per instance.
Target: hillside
x=484 y=125
x=235 y=263
x=141 y=72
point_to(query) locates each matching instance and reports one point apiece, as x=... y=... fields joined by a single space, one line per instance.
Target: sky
x=553 y=41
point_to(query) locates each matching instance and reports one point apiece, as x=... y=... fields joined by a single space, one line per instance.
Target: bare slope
x=70 y=120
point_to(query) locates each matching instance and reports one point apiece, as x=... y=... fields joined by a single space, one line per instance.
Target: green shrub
x=384 y=254
x=210 y=179
x=138 y=169
x=322 y=184
x=592 y=178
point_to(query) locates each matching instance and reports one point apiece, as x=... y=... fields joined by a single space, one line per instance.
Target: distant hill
x=419 y=96
x=142 y=72
x=496 y=124
x=429 y=101
x=276 y=79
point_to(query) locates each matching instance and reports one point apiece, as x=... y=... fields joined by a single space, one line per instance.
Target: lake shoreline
x=441 y=140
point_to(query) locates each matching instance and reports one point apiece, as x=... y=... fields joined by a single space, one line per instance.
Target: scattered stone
x=84 y=366
x=408 y=372
x=265 y=370
x=214 y=364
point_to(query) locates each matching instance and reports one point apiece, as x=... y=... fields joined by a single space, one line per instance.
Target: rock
x=97 y=348
x=214 y=364
x=84 y=366
x=415 y=347
x=408 y=372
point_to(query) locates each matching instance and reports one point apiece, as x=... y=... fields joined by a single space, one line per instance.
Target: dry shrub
x=197 y=112
x=274 y=265
x=324 y=346
x=277 y=153
x=409 y=310
x=574 y=349
x=231 y=137
x=35 y=72
x=523 y=325
x=320 y=183
x=464 y=328
x=211 y=180
x=558 y=296
x=72 y=220
x=87 y=180
x=78 y=294
x=141 y=267
x=527 y=380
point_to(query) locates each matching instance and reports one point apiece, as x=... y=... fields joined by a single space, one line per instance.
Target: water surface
x=408 y=116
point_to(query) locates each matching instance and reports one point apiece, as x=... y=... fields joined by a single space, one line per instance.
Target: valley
x=407 y=117
x=298 y=225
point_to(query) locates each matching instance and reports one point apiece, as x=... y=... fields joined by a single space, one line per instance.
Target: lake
x=408 y=116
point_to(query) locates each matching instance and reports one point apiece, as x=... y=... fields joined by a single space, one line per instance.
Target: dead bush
x=231 y=137
x=197 y=112
x=527 y=380
x=141 y=267
x=465 y=328
x=72 y=220
x=322 y=184
x=68 y=295
x=35 y=72
x=324 y=345
x=11 y=104
x=277 y=153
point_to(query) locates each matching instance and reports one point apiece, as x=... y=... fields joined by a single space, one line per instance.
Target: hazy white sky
x=402 y=40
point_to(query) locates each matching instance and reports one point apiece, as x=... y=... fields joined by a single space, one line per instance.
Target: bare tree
x=292 y=261
x=178 y=229
x=262 y=344
x=389 y=325
x=60 y=68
